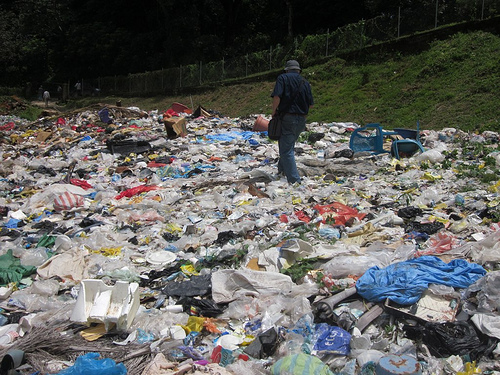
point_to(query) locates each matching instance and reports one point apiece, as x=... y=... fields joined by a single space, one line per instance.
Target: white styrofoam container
x=111 y=305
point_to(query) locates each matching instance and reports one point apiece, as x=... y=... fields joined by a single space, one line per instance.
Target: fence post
x=270 y=56
x=327 y=40
x=482 y=11
x=399 y=20
x=200 y=72
x=436 y=18
x=362 y=33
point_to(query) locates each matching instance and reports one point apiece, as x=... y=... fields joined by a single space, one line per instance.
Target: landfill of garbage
x=165 y=242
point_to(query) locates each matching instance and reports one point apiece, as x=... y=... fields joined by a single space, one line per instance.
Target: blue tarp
x=404 y=282
x=230 y=136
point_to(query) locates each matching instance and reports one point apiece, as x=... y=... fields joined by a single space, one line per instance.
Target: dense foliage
x=57 y=40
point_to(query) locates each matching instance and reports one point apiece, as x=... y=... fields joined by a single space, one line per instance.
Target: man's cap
x=292 y=65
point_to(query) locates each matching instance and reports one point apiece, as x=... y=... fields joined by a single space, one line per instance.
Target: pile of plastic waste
x=170 y=234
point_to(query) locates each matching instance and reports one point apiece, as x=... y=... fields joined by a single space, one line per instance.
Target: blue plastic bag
x=404 y=282
x=332 y=340
x=89 y=364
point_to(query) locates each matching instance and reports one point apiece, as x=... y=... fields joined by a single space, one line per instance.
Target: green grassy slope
x=454 y=83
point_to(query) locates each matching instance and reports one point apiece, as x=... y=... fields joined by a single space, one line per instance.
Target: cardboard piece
x=42 y=136
x=175 y=126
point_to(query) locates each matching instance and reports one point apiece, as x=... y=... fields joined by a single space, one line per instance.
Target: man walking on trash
x=293 y=91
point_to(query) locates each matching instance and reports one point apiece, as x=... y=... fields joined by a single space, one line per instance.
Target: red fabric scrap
x=339 y=212
x=302 y=216
x=82 y=183
x=136 y=190
x=170 y=113
x=8 y=126
x=153 y=164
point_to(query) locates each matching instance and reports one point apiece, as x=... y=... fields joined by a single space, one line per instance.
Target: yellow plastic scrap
x=153 y=156
x=136 y=200
x=440 y=206
x=247 y=340
x=28 y=133
x=27 y=193
x=394 y=163
x=94 y=333
x=194 y=324
x=430 y=177
x=341 y=199
x=173 y=228
x=470 y=369
x=188 y=269
x=245 y=202
x=296 y=200
x=439 y=219
x=145 y=241
x=494 y=188
x=363 y=195
x=109 y=251
x=495 y=202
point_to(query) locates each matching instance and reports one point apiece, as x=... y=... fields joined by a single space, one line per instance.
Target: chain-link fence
x=349 y=38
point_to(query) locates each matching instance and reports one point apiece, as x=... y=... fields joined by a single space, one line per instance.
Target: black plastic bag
x=345 y=153
x=264 y=345
x=429 y=228
x=315 y=137
x=409 y=212
x=126 y=147
x=201 y=307
x=452 y=338
x=195 y=286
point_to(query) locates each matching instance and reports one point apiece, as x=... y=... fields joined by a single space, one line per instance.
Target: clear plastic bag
x=34 y=257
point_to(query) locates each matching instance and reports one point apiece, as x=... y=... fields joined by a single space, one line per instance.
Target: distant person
x=40 y=93
x=59 y=92
x=292 y=94
x=78 y=87
x=46 y=98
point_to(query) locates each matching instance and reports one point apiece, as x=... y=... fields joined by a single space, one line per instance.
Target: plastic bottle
x=8 y=338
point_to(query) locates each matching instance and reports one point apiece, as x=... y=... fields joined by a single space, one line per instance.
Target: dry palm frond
x=60 y=342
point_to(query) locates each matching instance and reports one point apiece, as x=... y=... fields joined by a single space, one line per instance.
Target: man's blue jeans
x=290 y=131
